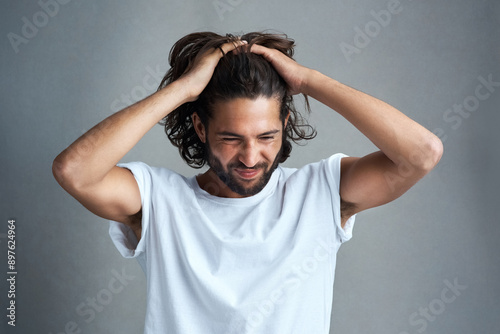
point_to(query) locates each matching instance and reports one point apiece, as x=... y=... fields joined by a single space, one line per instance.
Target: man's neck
x=212 y=184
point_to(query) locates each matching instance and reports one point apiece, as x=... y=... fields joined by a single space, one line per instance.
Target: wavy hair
x=241 y=75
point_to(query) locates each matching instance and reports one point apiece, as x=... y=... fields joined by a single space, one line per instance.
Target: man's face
x=244 y=142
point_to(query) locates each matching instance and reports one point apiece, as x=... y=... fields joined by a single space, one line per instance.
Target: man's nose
x=249 y=154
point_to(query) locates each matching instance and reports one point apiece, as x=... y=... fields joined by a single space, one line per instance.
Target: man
x=247 y=246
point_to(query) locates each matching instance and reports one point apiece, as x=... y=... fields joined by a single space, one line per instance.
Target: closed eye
x=230 y=139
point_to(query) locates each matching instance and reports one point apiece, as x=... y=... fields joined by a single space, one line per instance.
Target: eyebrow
x=232 y=134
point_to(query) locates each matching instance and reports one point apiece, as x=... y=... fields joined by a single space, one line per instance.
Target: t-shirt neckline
x=243 y=201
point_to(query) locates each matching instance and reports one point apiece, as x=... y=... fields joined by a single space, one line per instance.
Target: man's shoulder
x=330 y=163
x=146 y=172
x=286 y=172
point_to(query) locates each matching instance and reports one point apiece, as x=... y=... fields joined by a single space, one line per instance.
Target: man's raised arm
x=87 y=168
x=408 y=151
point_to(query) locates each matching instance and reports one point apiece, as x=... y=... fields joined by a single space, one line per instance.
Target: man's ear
x=199 y=127
x=286 y=119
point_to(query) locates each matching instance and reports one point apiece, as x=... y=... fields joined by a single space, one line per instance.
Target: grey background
x=88 y=57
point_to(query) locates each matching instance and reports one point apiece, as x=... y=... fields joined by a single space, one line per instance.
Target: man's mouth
x=247 y=173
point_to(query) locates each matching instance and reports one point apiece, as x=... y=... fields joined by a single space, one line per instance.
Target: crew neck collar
x=243 y=201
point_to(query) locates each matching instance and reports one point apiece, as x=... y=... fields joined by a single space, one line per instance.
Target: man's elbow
x=61 y=170
x=432 y=152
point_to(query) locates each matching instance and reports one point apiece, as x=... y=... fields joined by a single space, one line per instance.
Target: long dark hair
x=239 y=75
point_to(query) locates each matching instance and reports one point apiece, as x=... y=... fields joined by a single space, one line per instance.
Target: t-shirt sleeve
x=332 y=171
x=122 y=236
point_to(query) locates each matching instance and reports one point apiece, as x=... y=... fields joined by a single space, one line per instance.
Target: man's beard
x=232 y=182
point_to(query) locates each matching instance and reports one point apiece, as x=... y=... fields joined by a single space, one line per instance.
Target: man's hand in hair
x=295 y=75
x=198 y=77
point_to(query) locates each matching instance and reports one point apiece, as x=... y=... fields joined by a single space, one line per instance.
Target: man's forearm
x=397 y=136
x=95 y=153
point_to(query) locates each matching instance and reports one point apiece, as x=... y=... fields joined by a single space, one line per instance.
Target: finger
x=263 y=51
x=259 y=49
x=230 y=46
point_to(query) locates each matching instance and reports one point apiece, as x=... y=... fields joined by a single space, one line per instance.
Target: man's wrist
x=307 y=85
x=179 y=90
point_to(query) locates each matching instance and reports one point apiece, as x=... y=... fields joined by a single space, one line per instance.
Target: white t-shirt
x=260 y=264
